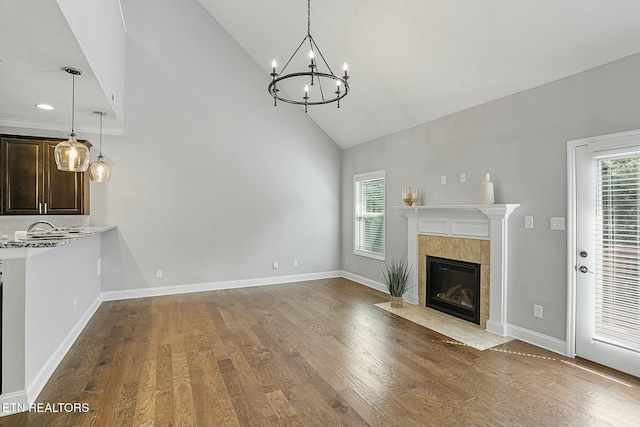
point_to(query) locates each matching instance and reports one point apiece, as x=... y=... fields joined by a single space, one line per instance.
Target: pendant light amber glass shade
x=71 y=155
x=100 y=171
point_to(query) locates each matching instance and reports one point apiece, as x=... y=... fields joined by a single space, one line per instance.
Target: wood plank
x=312 y=353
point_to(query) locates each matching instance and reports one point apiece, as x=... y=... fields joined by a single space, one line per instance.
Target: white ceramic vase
x=486 y=191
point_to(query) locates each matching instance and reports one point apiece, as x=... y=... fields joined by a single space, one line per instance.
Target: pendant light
x=72 y=156
x=100 y=171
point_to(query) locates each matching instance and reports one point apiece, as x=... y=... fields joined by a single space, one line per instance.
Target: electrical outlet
x=75 y=300
x=557 y=223
x=99 y=267
x=537 y=311
x=295 y=262
x=158 y=274
x=443 y=179
x=275 y=265
x=463 y=177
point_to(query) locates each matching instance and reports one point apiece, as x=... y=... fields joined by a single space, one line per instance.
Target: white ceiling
x=413 y=61
x=410 y=61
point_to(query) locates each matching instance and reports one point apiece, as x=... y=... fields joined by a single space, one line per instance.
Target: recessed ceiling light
x=44 y=106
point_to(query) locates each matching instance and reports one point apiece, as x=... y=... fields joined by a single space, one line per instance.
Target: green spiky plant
x=396 y=276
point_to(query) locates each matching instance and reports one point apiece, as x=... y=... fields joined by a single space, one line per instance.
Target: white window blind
x=369 y=227
x=617 y=253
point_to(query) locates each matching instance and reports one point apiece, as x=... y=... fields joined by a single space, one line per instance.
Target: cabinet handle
x=40 y=208
x=45 y=208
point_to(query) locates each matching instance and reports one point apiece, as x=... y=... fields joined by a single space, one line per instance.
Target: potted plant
x=396 y=277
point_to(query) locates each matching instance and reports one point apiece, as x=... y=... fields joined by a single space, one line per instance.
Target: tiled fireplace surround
x=472 y=233
x=459 y=249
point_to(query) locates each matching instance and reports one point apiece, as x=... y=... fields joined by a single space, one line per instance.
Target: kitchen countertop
x=87 y=231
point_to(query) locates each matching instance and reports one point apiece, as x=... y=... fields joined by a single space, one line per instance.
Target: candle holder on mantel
x=410 y=196
x=415 y=197
x=406 y=196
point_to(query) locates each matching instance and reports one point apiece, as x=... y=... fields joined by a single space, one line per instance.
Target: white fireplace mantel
x=486 y=222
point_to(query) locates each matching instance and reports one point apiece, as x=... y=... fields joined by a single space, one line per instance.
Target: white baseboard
x=13 y=403
x=40 y=380
x=364 y=281
x=214 y=286
x=537 y=339
x=496 y=328
x=411 y=299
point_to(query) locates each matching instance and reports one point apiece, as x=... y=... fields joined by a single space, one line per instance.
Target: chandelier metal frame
x=313 y=74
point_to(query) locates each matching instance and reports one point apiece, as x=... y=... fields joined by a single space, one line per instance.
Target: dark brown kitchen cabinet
x=33 y=185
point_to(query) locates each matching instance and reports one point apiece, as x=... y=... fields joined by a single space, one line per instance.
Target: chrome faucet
x=31 y=227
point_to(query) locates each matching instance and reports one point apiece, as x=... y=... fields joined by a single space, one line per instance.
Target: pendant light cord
x=100 y=155
x=73 y=103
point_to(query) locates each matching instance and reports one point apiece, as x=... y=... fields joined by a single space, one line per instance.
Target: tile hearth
x=457 y=329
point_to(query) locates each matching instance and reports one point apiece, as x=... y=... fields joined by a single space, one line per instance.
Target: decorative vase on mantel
x=486 y=191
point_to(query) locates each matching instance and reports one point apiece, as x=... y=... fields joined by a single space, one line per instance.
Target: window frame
x=357 y=229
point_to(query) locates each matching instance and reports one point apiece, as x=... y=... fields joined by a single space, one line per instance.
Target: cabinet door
x=22 y=183
x=64 y=191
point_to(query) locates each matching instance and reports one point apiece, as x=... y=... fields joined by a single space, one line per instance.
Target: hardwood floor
x=312 y=353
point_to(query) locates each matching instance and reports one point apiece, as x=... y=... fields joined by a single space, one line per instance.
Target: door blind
x=617 y=314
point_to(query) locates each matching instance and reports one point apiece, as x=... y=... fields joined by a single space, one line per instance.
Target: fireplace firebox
x=453 y=287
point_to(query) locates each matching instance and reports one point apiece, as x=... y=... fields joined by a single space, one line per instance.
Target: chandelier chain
x=308 y=17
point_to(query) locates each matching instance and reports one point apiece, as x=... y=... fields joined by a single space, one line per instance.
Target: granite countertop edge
x=87 y=231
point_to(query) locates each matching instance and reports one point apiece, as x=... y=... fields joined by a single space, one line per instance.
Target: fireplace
x=472 y=233
x=453 y=287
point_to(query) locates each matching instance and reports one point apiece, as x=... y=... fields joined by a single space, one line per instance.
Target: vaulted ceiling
x=413 y=61
x=410 y=61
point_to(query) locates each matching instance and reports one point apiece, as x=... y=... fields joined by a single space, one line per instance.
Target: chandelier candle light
x=71 y=155
x=313 y=77
x=100 y=171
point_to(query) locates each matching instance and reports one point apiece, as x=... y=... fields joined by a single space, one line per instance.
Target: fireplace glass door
x=453 y=287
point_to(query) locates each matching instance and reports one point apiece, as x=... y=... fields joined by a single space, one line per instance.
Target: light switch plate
x=443 y=179
x=528 y=221
x=537 y=311
x=557 y=223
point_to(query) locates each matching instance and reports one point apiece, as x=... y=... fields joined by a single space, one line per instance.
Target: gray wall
x=521 y=141
x=210 y=181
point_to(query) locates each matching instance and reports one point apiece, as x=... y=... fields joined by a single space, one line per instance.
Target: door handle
x=583 y=254
x=583 y=269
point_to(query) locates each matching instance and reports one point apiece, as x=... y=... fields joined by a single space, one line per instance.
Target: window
x=618 y=252
x=369 y=215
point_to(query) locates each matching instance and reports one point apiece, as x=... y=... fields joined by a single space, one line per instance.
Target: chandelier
x=313 y=93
